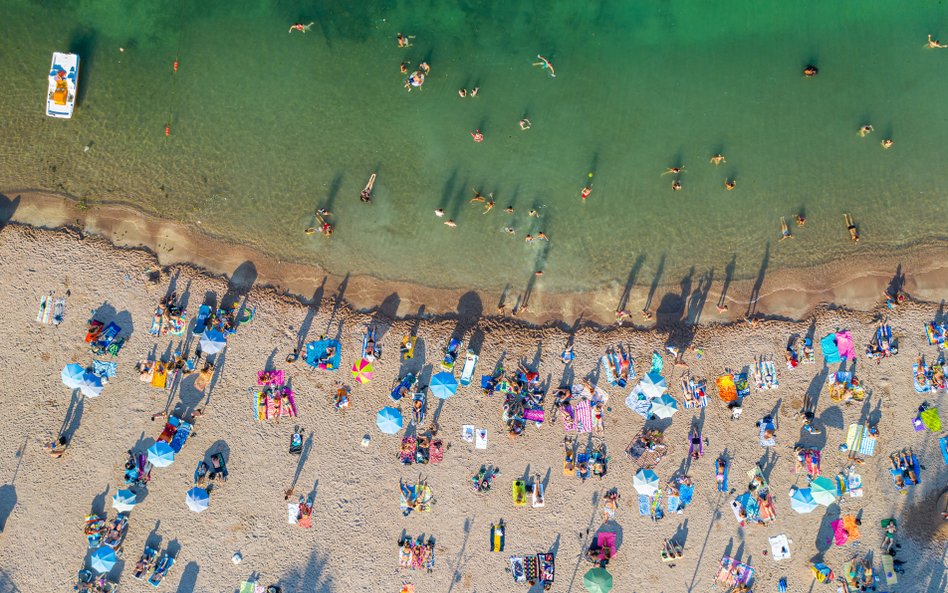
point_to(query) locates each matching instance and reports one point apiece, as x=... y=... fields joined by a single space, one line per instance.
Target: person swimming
x=509 y=209
x=449 y=222
x=403 y=67
x=676 y=185
x=489 y=204
x=545 y=65
x=851 y=227
x=934 y=43
x=462 y=93
x=585 y=193
x=718 y=159
x=439 y=212
x=366 y=195
x=801 y=219
x=533 y=214
x=474 y=91
x=810 y=71
x=729 y=184
x=301 y=27
x=674 y=170
x=404 y=41
x=887 y=143
x=477 y=135
x=784 y=229
x=865 y=131
x=525 y=124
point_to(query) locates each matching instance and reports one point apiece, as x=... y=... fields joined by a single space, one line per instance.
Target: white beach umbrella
x=645 y=482
x=652 y=385
x=124 y=501
x=72 y=375
x=664 y=407
x=213 y=342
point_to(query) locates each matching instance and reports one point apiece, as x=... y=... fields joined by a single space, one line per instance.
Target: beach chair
x=161 y=569
x=116 y=532
x=451 y=355
x=375 y=351
x=599 y=461
x=145 y=563
x=470 y=362
x=402 y=387
x=419 y=406
x=497 y=536
x=218 y=467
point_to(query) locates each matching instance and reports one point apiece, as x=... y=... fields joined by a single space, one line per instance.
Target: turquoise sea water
x=267 y=126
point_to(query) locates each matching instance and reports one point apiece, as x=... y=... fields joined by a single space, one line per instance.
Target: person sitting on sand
x=784 y=229
x=57 y=448
x=851 y=227
x=934 y=43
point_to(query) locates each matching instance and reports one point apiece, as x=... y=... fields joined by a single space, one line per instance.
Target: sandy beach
x=357 y=521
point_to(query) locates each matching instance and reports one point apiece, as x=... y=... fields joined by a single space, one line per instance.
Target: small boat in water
x=63 y=82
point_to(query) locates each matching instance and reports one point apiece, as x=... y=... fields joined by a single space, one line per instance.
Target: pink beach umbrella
x=362 y=371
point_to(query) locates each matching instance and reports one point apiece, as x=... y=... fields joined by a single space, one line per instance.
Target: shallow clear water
x=267 y=126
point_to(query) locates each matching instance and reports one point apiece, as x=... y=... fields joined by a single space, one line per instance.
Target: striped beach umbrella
x=362 y=371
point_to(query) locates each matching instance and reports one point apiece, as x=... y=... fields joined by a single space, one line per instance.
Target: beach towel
x=844 y=344
x=854 y=485
x=859 y=441
x=467 y=373
x=547 y=567
x=180 y=436
x=731 y=572
x=779 y=547
x=270 y=378
x=480 y=438
x=531 y=568
x=764 y=441
x=533 y=414
x=888 y=567
x=657 y=363
x=292 y=512
x=105 y=370
x=674 y=503
x=638 y=403
x=608 y=361
x=159 y=377
x=497 y=537
x=645 y=505
x=539 y=501
x=686 y=493
x=830 y=351
x=581 y=417
x=694 y=392
x=467 y=433
x=813 y=462
x=943 y=442
x=436 y=454
x=741 y=385
x=517 y=569
x=768 y=371
x=316 y=354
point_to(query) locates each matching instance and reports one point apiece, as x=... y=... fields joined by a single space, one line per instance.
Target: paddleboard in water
x=42 y=308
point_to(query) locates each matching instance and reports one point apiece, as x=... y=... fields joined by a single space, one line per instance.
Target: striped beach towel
x=582 y=418
x=859 y=442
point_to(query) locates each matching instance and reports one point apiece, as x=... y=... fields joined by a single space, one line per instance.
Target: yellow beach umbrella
x=362 y=371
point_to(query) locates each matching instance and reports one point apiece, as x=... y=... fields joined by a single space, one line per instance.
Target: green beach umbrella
x=823 y=491
x=598 y=580
x=931 y=420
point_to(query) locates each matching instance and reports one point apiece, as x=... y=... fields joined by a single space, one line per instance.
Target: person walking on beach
x=851 y=227
x=304 y=28
x=545 y=64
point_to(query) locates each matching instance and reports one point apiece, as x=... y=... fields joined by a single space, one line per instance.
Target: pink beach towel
x=533 y=415
x=582 y=418
x=276 y=378
x=840 y=536
x=844 y=343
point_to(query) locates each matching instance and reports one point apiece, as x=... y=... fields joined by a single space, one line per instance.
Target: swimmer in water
x=323 y=212
x=545 y=64
x=585 y=193
x=403 y=68
x=887 y=143
x=729 y=184
x=424 y=67
x=541 y=236
x=784 y=229
x=310 y=230
x=801 y=220
x=474 y=91
x=676 y=185
x=462 y=93
x=674 y=170
x=450 y=223
x=489 y=204
x=477 y=136
x=810 y=71
x=537 y=273
x=477 y=197
x=525 y=124
x=509 y=209
x=851 y=227
x=533 y=214
x=301 y=27
x=528 y=238
x=718 y=159
x=404 y=41
x=439 y=212
x=366 y=195
x=865 y=131
x=510 y=230
x=934 y=43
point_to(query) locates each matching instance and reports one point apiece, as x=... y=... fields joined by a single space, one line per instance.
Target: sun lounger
x=467 y=373
x=497 y=536
x=519 y=493
x=451 y=355
x=403 y=387
x=161 y=569
x=218 y=467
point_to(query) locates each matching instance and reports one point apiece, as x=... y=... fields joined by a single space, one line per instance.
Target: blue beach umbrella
x=823 y=491
x=103 y=559
x=645 y=482
x=443 y=385
x=653 y=385
x=213 y=342
x=91 y=385
x=197 y=499
x=801 y=500
x=664 y=407
x=160 y=454
x=389 y=420
x=124 y=501
x=72 y=376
